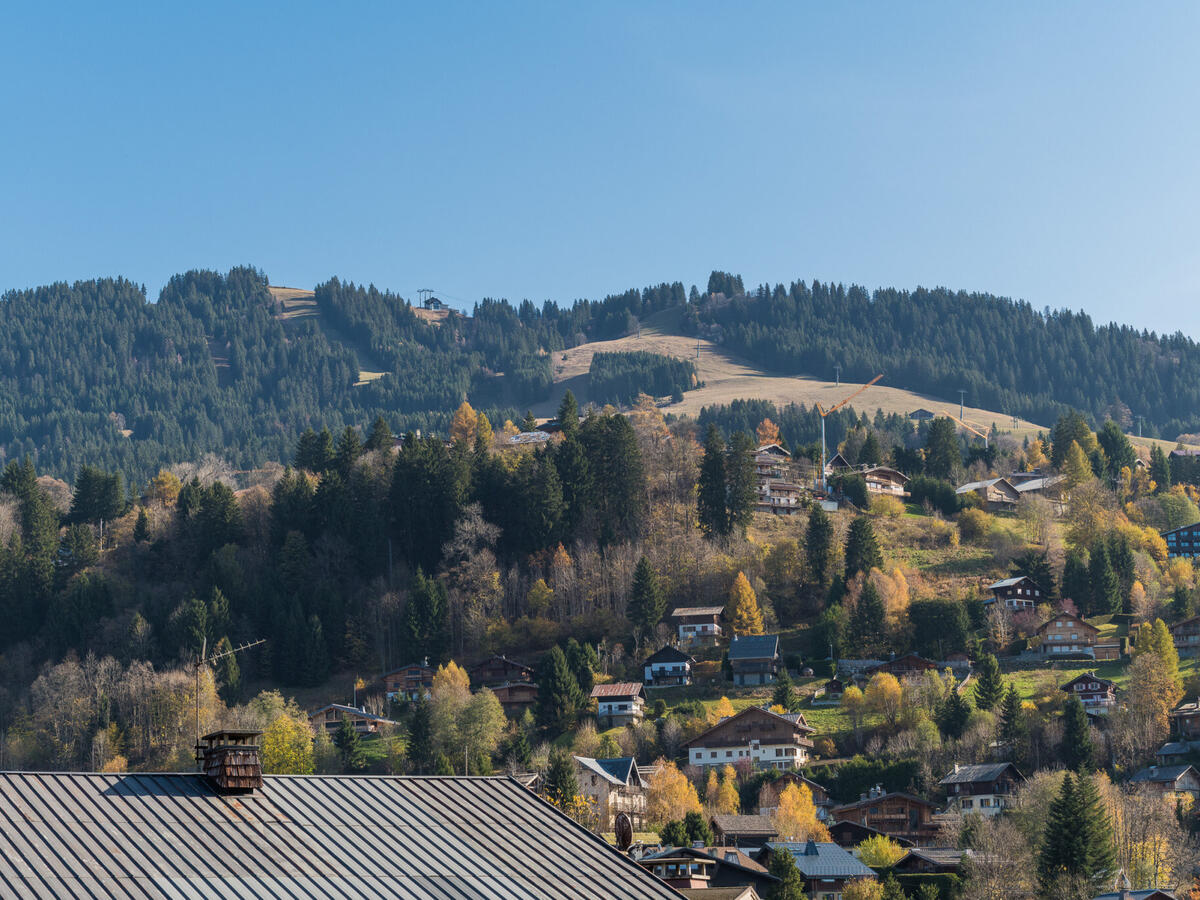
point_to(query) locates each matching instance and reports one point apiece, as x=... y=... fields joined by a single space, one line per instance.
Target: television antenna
x=203 y=659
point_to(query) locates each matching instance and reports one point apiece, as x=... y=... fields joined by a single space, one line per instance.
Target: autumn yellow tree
x=879 y=850
x=744 y=615
x=795 y=819
x=1076 y=466
x=164 y=487
x=287 y=747
x=464 y=425
x=670 y=795
x=483 y=431
x=884 y=696
x=728 y=801
x=862 y=889
x=722 y=709
x=768 y=433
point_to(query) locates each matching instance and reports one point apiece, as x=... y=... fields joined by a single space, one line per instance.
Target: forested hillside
x=1005 y=355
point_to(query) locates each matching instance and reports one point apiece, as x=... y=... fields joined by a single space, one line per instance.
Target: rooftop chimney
x=810 y=849
x=230 y=761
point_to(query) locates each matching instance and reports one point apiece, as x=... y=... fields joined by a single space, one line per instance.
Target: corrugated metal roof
x=981 y=772
x=619 y=689
x=1160 y=774
x=821 y=860
x=760 y=646
x=126 y=836
x=737 y=824
x=697 y=611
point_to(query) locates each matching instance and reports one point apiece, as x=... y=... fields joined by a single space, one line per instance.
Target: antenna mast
x=203 y=659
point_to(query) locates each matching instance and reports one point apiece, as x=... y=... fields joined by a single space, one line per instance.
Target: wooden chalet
x=743 y=831
x=615 y=786
x=930 y=861
x=711 y=873
x=771 y=463
x=1183 y=541
x=516 y=697
x=499 y=670
x=668 y=666
x=994 y=493
x=903 y=666
x=1098 y=695
x=698 y=624
x=1145 y=894
x=329 y=719
x=411 y=682
x=830 y=693
x=1186 y=636
x=768 y=740
x=1017 y=593
x=1185 y=721
x=922 y=415
x=896 y=814
x=1173 y=783
x=754 y=659
x=885 y=480
x=850 y=834
x=782 y=498
x=1067 y=633
x=837 y=463
x=768 y=794
x=620 y=704
x=987 y=789
x=827 y=868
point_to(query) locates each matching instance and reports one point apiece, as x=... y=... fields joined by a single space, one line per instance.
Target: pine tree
x=818 y=547
x=989 y=686
x=347 y=741
x=380 y=436
x=1160 y=469
x=783 y=695
x=562 y=787
x=862 y=549
x=892 y=889
x=742 y=483
x=1103 y=584
x=568 y=416
x=791 y=881
x=583 y=662
x=1077 y=843
x=943 y=453
x=868 y=621
x=711 y=487
x=1076 y=585
x=744 y=615
x=1013 y=730
x=871 y=453
x=1077 y=748
x=1062 y=850
x=559 y=697
x=425 y=626
x=420 y=738
x=647 y=602
x=349 y=449
x=141 y=528
x=953 y=714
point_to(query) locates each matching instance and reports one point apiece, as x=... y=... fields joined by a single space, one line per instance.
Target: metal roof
x=354 y=711
x=735 y=824
x=760 y=646
x=981 y=772
x=1161 y=774
x=668 y=654
x=697 y=611
x=1008 y=582
x=617 y=771
x=824 y=860
x=619 y=689
x=97 y=835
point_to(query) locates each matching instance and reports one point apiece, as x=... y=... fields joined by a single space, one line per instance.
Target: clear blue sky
x=560 y=150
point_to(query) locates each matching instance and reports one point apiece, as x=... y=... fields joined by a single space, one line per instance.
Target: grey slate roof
x=147 y=836
x=762 y=646
x=972 y=774
x=615 y=771
x=736 y=824
x=824 y=860
x=1160 y=774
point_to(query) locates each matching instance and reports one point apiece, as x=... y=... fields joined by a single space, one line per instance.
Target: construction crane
x=974 y=431
x=824 y=412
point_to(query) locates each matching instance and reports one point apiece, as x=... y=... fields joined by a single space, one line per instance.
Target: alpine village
x=611 y=650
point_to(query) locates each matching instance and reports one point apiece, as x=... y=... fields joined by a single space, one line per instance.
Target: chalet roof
x=171 y=835
x=866 y=831
x=1144 y=894
x=796 y=720
x=1187 y=710
x=1185 y=451
x=824 y=860
x=668 y=654
x=1180 y=528
x=1091 y=676
x=1174 y=748
x=1189 y=621
x=884 y=470
x=697 y=611
x=976 y=773
x=618 y=771
x=734 y=824
x=618 y=689
x=1162 y=774
x=980 y=485
x=501 y=659
x=412 y=665
x=871 y=801
x=837 y=461
x=354 y=711
x=908 y=660
x=772 y=450
x=761 y=646
x=1011 y=582
x=1039 y=483
x=938 y=856
x=921 y=414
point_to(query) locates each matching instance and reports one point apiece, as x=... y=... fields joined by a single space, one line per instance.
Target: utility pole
x=838 y=369
x=962 y=396
x=1140 y=420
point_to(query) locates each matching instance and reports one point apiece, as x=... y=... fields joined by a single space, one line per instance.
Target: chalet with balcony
x=743 y=831
x=771 y=463
x=499 y=670
x=850 y=834
x=768 y=740
x=837 y=463
x=516 y=697
x=1185 y=721
x=1067 y=634
x=698 y=624
x=724 y=873
x=1186 y=636
x=994 y=493
x=1017 y=593
x=896 y=814
x=329 y=718
x=986 y=789
x=1098 y=695
x=930 y=861
x=620 y=704
x=906 y=666
x=1183 y=541
x=411 y=682
x=885 y=480
x=783 y=498
x=668 y=667
x=754 y=658
x=615 y=786
x=1173 y=783
x=826 y=867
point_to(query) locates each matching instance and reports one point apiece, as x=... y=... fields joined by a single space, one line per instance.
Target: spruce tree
x=867 y=624
x=559 y=697
x=741 y=483
x=583 y=662
x=818 y=547
x=711 y=487
x=943 y=453
x=989 y=686
x=420 y=738
x=141 y=528
x=953 y=714
x=1013 y=731
x=783 y=695
x=562 y=787
x=791 y=880
x=862 y=549
x=380 y=436
x=1160 y=469
x=1076 y=585
x=1100 y=858
x=568 y=416
x=1036 y=567
x=1077 y=747
x=349 y=449
x=347 y=741
x=647 y=602
x=1104 y=587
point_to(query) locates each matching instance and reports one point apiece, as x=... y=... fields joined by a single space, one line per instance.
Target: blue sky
x=563 y=150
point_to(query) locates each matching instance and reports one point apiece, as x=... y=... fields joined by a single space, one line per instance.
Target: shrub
x=938 y=494
x=974 y=524
x=885 y=505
